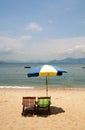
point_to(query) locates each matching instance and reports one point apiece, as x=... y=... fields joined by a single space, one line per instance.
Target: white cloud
x=13 y=43
x=25 y=37
x=62 y=48
x=11 y=48
x=18 y=49
x=76 y=51
x=34 y=26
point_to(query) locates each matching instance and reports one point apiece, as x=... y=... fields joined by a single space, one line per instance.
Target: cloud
x=13 y=43
x=77 y=51
x=19 y=49
x=62 y=48
x=34 y=26
x=12 y=48
x=25 y=37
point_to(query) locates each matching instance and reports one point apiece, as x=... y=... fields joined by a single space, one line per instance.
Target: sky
x=42 y=30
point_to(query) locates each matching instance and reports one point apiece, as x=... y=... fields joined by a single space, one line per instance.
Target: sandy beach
x=67 y=110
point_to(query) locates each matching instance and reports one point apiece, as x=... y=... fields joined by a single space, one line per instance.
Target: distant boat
x=27 y=67
x=83 y=67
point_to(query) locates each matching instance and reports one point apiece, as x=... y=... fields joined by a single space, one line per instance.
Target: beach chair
x=43 y=103
x=29 y=105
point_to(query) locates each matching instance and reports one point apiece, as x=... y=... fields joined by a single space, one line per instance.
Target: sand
x=67 y=110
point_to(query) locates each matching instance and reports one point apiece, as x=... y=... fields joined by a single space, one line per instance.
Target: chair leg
x=37 y=110
x=34 y=109
x=23 y=111
x=23 y=108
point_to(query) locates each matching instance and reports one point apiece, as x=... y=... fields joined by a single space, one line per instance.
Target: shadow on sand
x=56 y=110
x=44 y=113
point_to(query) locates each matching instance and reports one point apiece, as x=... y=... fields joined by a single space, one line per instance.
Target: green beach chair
x=43 y=103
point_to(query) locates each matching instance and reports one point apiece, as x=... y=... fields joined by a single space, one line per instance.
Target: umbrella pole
x=46 y=86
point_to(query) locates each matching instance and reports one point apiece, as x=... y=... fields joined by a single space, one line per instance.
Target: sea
x=14 y=75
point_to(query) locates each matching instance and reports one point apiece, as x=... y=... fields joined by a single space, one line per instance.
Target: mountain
x=1 y=62
x=69 y=60
x=66 y=60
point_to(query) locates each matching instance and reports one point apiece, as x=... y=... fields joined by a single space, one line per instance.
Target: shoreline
x=49 y=88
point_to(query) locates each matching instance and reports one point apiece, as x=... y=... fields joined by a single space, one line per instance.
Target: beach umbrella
x=46 y=70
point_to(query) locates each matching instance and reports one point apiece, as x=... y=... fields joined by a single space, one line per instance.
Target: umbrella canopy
x=46 y=70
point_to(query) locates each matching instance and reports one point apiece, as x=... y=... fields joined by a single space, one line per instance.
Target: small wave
x=18 y=87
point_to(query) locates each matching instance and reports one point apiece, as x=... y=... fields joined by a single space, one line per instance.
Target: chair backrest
x=44 y=101
x=29 y=101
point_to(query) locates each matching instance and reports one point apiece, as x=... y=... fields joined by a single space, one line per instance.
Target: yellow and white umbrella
x=46 y=70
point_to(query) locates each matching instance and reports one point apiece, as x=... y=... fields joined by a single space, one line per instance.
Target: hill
x=69 y=60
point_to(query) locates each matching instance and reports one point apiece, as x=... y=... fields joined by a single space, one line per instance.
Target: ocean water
x=14 y=75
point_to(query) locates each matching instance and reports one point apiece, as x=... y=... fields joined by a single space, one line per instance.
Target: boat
x=83 y=67
x=27 y=67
